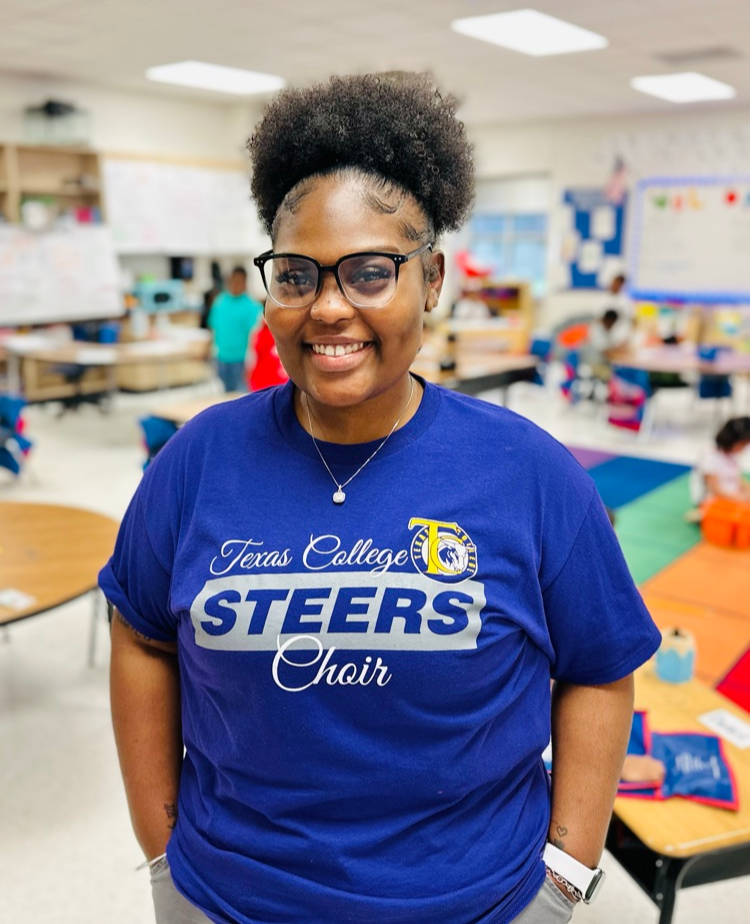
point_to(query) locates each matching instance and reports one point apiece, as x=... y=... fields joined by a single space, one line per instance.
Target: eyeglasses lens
x=367 y=281
x=291 y=281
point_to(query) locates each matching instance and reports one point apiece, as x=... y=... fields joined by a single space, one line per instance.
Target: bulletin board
x=166 y=208
x=691 y=240
x=593 y=237
x=57 y=276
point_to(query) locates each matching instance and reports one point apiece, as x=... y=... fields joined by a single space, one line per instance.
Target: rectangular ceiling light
x=530 y=32
x=204 y=76
x=683 y=88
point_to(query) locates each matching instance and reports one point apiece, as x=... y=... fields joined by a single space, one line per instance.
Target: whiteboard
x=176 y=209
x=691 y=240
x=62 y=275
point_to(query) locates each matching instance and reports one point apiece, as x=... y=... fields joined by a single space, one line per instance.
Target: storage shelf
x=43 y=171
x=50 y=191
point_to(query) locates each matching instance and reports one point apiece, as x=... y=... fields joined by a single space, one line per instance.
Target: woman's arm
x=590 y=732
x=145 y=694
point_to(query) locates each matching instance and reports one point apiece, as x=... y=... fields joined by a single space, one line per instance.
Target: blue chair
x=14 y=447
x=156 y=434
x=541 y=347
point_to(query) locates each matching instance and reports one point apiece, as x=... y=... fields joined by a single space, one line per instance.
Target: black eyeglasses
x=366 y=280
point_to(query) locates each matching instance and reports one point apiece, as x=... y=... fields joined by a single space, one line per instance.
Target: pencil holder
x=675 y=659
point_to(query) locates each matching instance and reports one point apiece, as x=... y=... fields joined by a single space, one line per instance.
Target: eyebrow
x=384 y=248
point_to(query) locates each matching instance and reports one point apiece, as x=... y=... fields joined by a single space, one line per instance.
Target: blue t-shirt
x=365 y=687
x=231 y=319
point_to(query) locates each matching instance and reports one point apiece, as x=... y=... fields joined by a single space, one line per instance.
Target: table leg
x=665 y=889
x=14 y=374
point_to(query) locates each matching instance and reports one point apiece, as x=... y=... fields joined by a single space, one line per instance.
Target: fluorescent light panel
x=205 y=76
x=683 y=88
x=530 y=32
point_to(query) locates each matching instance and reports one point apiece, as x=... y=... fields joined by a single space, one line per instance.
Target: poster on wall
x=593 y=235
x=691 y=240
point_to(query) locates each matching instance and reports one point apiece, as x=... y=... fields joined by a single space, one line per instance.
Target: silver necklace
x=338 y=495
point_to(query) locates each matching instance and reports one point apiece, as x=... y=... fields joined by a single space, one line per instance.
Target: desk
x=183 y=411
x=51 y=553
x=27 y=352
x=679 y=360
x=677 y=844
x=479 y=371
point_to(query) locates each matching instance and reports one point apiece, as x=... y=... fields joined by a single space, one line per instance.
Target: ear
x=435 y=280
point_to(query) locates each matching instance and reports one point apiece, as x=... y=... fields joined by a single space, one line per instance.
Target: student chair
x=541 y=347
x=628 y=400
x=156 y=434
x=14 y=447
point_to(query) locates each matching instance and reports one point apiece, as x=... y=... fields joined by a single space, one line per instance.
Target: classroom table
x=474 y=372
x=677 y=360
x=49 y=555
x=181 y=412
x=677 y=844
x=477 y=371
x=47 y=350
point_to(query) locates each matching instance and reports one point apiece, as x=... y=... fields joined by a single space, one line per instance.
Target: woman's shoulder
x=500 y=428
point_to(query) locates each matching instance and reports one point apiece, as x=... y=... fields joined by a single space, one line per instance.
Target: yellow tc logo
x=442 y=550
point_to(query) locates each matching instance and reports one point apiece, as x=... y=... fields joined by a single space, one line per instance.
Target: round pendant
x=339 y=497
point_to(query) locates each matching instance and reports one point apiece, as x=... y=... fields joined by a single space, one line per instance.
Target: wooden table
x=474 y=372
x=478 y=370
x=52 y=554
x=41 y=349
x=677 y=844
x=679 y=360
x=182 y=411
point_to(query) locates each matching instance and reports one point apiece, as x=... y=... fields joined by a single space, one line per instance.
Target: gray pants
x=549 y=906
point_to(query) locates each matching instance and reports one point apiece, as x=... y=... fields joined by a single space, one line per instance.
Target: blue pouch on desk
x=696 y=769
x=639 y=745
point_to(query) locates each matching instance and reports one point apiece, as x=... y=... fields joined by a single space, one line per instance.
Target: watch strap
x=584 y=880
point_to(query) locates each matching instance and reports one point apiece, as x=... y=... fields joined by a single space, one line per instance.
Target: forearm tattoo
x=136 y=633
x=171 y=809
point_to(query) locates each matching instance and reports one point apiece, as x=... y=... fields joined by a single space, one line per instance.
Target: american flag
x=617 y=183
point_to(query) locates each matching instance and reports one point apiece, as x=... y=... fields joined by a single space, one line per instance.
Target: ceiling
x=110 y=43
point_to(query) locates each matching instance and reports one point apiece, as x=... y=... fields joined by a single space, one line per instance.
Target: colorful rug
x=684 y=581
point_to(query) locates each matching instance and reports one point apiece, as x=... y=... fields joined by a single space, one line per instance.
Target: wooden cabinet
x=63 y=178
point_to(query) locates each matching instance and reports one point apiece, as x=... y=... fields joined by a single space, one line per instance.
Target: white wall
x=132 y=122
x=582 y=153
x=564 y=153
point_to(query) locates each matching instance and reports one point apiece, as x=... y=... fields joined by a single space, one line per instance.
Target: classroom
x=359 y=713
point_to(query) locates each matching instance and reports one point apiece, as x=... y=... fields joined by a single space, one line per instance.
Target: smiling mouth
x=339 y=349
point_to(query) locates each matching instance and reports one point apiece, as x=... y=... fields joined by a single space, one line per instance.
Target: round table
x=49 y=554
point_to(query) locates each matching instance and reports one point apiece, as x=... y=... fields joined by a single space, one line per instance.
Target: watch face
x=594 y=886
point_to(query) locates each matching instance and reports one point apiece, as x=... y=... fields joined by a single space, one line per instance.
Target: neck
x=359 y=423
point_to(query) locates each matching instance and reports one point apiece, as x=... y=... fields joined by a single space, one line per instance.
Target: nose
x=331 y=306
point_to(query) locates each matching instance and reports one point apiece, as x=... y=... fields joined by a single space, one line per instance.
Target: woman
x=347 y=595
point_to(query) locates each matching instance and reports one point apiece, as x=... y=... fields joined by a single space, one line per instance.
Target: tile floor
x=66 y=852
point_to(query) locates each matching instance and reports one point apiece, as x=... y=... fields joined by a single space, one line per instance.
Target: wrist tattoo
x=171 y=809
x=560 y=832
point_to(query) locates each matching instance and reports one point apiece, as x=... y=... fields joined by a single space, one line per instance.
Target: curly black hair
x=735 y=430
x=394 y=127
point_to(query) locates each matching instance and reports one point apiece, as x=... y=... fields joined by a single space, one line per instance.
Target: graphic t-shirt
x=365 y=686
x=231 y=319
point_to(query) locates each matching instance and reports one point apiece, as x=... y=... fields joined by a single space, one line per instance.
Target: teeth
x=339 y=349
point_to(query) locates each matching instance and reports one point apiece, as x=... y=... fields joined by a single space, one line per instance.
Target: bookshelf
x=65 y=177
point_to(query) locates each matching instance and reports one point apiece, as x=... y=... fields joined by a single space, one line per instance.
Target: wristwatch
x=567 y=870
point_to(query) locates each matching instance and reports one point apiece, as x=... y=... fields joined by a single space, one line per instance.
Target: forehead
x=336 y=215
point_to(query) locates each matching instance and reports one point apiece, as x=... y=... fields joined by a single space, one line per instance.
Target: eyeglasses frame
x=398 y=259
